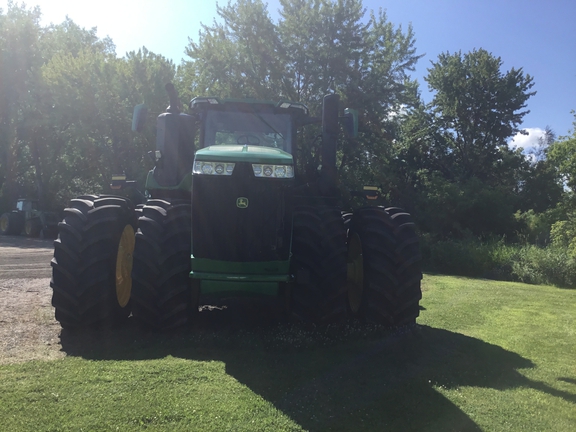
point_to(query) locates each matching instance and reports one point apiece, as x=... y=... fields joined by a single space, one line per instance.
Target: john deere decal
x=242 y=202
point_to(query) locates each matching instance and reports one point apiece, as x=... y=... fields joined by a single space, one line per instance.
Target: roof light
x=203 y=100
x=296 y=105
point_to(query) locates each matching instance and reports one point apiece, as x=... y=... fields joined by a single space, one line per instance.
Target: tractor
x=229 y=211
x=28 y=219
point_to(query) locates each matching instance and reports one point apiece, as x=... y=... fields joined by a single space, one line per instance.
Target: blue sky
x=536 y=35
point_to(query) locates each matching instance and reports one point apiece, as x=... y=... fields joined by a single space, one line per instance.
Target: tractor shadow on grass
x=343 y=377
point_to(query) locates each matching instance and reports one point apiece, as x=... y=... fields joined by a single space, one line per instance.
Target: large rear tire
x=384 y=266
x=5 y=228
x=318 y=294
x=163 y=294
x=11 y=223
x=93 y=261
x=32 y=227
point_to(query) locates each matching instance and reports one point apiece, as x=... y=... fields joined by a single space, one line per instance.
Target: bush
x=552 y=265
x=494 y=259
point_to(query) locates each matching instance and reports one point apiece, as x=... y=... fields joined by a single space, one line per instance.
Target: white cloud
x=529 y=142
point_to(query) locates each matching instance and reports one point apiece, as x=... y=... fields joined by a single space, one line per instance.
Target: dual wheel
x=383 y=266
x=365 y=264
x=103 y=268
x=92 y=264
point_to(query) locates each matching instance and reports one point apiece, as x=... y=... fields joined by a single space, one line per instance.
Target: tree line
x=66 y=102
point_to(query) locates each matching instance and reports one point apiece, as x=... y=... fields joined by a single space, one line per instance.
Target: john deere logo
x=242 y=202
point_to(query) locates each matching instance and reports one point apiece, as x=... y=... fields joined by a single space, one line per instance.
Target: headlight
x=276 y=171
x=213 y=168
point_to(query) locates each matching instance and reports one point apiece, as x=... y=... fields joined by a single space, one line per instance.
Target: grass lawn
x=487 y=355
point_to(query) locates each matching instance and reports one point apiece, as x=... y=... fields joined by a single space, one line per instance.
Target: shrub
x=552 y=265
x=494 y=259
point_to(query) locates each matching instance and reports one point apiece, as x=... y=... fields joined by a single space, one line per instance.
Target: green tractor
x=29 y=220
x=228 y=211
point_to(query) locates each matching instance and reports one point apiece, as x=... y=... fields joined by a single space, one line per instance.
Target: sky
x=538 y=36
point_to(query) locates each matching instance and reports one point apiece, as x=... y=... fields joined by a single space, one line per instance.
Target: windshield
x=241 y=128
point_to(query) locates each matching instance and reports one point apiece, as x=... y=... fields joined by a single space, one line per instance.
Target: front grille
x=223 y=231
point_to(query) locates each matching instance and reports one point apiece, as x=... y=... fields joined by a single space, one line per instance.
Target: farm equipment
x=229 y=211
x=29 y=220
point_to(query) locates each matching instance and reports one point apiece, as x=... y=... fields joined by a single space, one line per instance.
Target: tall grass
x=494 y=259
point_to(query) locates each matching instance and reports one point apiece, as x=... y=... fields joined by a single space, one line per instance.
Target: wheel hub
x=124 y=261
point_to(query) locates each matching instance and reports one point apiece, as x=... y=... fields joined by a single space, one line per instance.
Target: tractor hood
x=244 y=153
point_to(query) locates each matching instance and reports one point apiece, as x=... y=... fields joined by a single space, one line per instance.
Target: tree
x=94 y=93
x=66 y=108
x=21 y=58
x=452 y=164
x=541 y=185
x=562 y=155
x=478 y=108
x=239 y=57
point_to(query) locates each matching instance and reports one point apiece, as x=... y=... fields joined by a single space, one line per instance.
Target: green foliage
x=534 y=228
x=95 y=93
x=458 y=210
x=551 y=265
x=468 y=257
x=453 y=168
x=563 y=234
x=237 y=58
x=477 y=108
x=540 y=187
x=562 y=155
x=67 y=106
x=494 y=259
x=20 y=58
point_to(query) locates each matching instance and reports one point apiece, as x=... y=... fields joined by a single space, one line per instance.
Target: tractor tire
x=384 y=267
x=163 y=295
x=92 y=262
x=32 y=227
x=11 y=223
x=318 y=293
x=5 y=225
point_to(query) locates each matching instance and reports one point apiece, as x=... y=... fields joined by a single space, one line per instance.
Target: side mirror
x=139 y=117
x=350 y=122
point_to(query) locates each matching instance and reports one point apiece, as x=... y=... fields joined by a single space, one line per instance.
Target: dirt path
x=28 y=330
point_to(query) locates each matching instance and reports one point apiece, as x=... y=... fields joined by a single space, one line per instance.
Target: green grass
x=488 y=355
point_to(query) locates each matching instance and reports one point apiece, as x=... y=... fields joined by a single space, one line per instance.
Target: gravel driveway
x=28 y=329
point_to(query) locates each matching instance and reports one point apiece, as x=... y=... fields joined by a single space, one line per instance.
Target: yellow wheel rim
x=355 y=272
x=124 y=261
x=4 y=223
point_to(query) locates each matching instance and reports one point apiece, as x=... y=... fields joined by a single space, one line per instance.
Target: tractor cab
x=253 y=137
x=249 y=123
x=26 y=205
